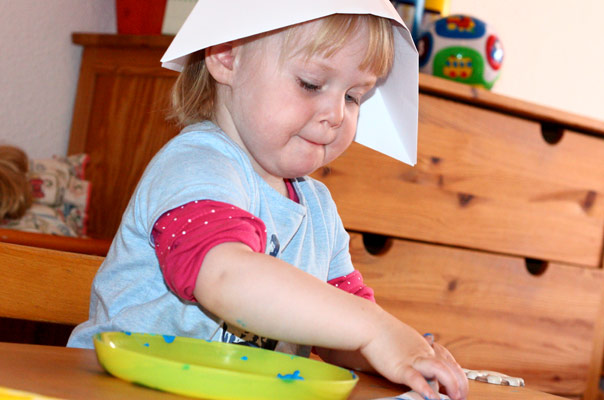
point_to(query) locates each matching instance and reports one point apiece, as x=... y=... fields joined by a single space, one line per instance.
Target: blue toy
x=461 y=48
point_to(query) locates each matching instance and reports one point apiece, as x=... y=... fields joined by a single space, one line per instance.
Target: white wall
x=554 y=50
x=554 y=56
x=39 y=68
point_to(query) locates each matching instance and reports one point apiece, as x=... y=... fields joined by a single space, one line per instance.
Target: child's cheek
x=343 y=141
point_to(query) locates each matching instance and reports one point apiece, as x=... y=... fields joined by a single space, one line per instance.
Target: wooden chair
x=45 y=285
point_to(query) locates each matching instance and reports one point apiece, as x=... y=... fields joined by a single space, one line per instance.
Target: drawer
x=491 y=313
x=484 y=180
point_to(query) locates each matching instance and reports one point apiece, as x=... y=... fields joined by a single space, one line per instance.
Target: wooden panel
x=120 y=121
x=45 y=285
x=484 y=98
x=493 y=183
x=492 y=314
x=97 y=247
x=373 y=387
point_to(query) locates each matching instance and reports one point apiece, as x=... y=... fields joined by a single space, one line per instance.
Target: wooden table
x=75 y=374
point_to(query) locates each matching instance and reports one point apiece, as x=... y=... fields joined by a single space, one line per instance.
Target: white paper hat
x=388 y=116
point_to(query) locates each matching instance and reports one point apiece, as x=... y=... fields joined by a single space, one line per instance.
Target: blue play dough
x=290 y=377
x=168 y=338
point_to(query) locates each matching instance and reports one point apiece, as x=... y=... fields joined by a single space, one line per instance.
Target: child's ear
x=220 y=61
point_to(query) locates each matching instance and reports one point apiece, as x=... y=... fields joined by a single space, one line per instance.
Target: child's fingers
x=416 y=381
x=445 y=372
x=456 y=369
x=429 y=338
x=442 y=351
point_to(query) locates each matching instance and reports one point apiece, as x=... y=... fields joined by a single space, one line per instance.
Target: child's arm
x=345 y=358
x=269 y=297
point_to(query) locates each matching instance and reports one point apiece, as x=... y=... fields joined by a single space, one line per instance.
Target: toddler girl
x=227 y=238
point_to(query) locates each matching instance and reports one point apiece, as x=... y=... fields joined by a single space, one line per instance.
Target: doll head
x=15 y=190
x=194 y=94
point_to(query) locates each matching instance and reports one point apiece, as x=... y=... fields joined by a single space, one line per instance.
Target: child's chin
x=298 y=172
x=307 y=169
x=302 y=167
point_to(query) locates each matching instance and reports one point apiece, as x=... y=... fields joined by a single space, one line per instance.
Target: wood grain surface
x=493 y=184
x=491 y=313
x=45 y=285
x=98 y=247
x=120 y=121
x=74 y=374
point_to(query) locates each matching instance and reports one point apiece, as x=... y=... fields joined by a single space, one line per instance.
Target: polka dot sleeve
x=184 y=235
x=353 y=283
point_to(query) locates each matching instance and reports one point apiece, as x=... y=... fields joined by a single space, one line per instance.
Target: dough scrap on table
x=496 y=378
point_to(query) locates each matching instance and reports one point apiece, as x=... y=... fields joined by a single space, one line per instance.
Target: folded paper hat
x=388 y=115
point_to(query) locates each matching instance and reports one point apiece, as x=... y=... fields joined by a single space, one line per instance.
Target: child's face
x=295 y=115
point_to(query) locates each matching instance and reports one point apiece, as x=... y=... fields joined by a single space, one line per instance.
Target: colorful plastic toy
x=461 y=48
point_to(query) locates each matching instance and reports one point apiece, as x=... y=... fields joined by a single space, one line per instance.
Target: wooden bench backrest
x=45 y=285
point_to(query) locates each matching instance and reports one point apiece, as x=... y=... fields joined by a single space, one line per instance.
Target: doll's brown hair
x=15 y=189
x=194 y=92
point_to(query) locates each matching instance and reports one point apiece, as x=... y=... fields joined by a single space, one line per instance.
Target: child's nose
x=334 y=108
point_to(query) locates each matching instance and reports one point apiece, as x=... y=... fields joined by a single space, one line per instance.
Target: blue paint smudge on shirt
x=128 y=333
x=169 y=338
x=146 y=345
x=291 y=377
x=244 y=358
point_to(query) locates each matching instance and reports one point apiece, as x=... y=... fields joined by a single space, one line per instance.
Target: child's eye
x=310 y=87
x=352 y=99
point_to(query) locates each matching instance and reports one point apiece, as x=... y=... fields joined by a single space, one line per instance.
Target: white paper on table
x=388 y=118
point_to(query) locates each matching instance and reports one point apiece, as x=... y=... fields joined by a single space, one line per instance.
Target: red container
x=140 y=17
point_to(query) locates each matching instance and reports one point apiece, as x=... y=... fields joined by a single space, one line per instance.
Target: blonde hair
x=194 y=93
x=15 y=189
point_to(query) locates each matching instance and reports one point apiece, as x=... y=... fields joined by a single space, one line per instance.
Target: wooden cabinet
x=493 y=242
x=119 y=118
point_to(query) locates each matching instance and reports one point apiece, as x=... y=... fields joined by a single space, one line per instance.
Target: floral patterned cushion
x=40 y=218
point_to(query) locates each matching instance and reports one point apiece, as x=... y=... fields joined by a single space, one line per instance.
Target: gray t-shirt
x=202 y=162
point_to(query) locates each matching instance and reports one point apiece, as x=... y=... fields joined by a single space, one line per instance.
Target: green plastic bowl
x=214 y=370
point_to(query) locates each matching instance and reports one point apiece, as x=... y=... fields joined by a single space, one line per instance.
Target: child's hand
x=403 y=356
